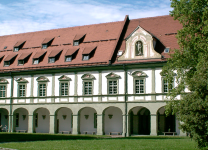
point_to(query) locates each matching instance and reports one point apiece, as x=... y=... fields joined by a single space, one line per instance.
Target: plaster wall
x=23 y=124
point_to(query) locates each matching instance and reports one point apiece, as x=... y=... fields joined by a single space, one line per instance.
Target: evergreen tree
x=190 y=63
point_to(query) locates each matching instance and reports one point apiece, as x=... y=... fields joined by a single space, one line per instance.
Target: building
x=95 y=79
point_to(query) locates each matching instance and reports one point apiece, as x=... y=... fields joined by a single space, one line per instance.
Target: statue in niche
x=138 y=48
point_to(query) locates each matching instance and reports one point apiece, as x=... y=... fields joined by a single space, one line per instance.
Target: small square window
x=36 y=61
x=20 y=62
x=76 y=43
x=44 y=46
x=68 y=58
x=51 y=60
x=166 y=50
x=85 y=57
x=16 y=49
x=6 y=63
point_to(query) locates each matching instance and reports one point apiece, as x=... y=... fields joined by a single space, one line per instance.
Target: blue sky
x=19 y=16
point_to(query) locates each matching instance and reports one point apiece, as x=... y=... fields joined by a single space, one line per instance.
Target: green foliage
x=191 y=64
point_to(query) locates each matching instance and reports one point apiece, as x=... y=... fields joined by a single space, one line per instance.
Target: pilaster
x=75 y=87
x=153 y=97
x=100 y=87
x=30 y=123
x=153 y=124
x=124 y=126
x=99 y=124
x=52 y=123
x=53 y=88
x=75 y=124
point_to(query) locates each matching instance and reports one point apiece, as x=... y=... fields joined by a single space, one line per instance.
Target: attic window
x=20 y=62
x=18 y=45
x=78 y=39
x=138 y=48
x=9 y=59
x=120 y=53
x=76 y=43
x=47 y=42
x=88 y=53
x=54 y=55
x=35 y=61
x=38 y=57
x=44 y=46
x=6 y=63
x=51 y=60
x=68 y=58
x=5 y=47
x=166 y=50
x=23 y=58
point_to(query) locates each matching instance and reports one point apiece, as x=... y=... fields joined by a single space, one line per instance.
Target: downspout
x=125 y=90
x=11 y=106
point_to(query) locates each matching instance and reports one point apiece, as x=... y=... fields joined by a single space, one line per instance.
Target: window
x=166 y=87
x=64 y=89
x=87 y=88
x=88 y=84
x=16 y=49
x=17 y=120
x=76 y=43
x=42 y=85
x=36 y=61
x=166 y=50
x=139 y=78
x=20 y=62
x=138 y=48
x=68 y=58
x=6 y=63
x=139 y=86
x=112 y=80
x=44 y=46
x=51 y=60
x=85 y=57
x=42 y=89
x=22 y=90
x=2 y=91
x=112 y=87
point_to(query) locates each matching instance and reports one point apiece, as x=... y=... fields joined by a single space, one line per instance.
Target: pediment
x=42 y=79
x=21 y=80
x=139 y=74
x=3 y=81
x=139 y=45
x=64 y=78
x=87 y=77
x=112 y=76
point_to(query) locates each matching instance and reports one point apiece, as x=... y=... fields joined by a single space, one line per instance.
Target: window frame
x=51 y=58
x=139 y=75
x=21 y=64
x=112 y=77
x=4 y=82
x=3 y=91
x=44 y=46
x=17 y=120
x=68 y=57
x=42 y=80
x=64 y=79
x=16 y=49
x=19 y=90
x=34 y=61
x=87 y=78
x=6 y=65
x=21 y=81
x=86 y=55
x=163 y=89
x=42 y=83
x=76 y=43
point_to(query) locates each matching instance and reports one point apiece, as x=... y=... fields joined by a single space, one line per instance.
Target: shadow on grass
x=23 y=137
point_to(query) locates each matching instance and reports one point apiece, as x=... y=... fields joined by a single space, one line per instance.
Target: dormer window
x=44 y=46
x=54 y=55
x=35 y=61
x=9 y=59
x=18 y=45
x=76 y=43
x=68 y=58
x=47 y=42
x=16 y=49
x=6 y=63
x=138 y=48
x=85 y=57
x=88 y=52
x=167 y=49
x=38 y=57
x=78 y=39
x=23 y=58
x=51 y=60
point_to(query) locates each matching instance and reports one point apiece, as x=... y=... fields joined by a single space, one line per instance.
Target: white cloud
x=35 y=15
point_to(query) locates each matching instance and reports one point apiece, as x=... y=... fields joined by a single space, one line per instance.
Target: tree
x=190 y=63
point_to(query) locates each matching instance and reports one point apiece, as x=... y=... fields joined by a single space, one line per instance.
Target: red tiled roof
x=71 y=51
x=54 y=53
x=39 y=54
x=88 y=50
x=19 y=43
x=24 y=55
x=9 y=57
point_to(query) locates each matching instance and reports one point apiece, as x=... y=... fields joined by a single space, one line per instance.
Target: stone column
x=11 y=124
x=128 y=126
x=30 y=123
x=52 y=124
x=124 y=125
x=99 y=124
x=153 y=124
x=75 y=124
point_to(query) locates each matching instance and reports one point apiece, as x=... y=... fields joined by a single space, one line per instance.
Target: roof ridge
x=151 y=17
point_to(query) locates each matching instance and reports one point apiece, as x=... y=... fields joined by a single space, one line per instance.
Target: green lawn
x=48 y=142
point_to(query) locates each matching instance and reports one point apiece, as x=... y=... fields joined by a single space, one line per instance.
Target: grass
x=86 y=142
